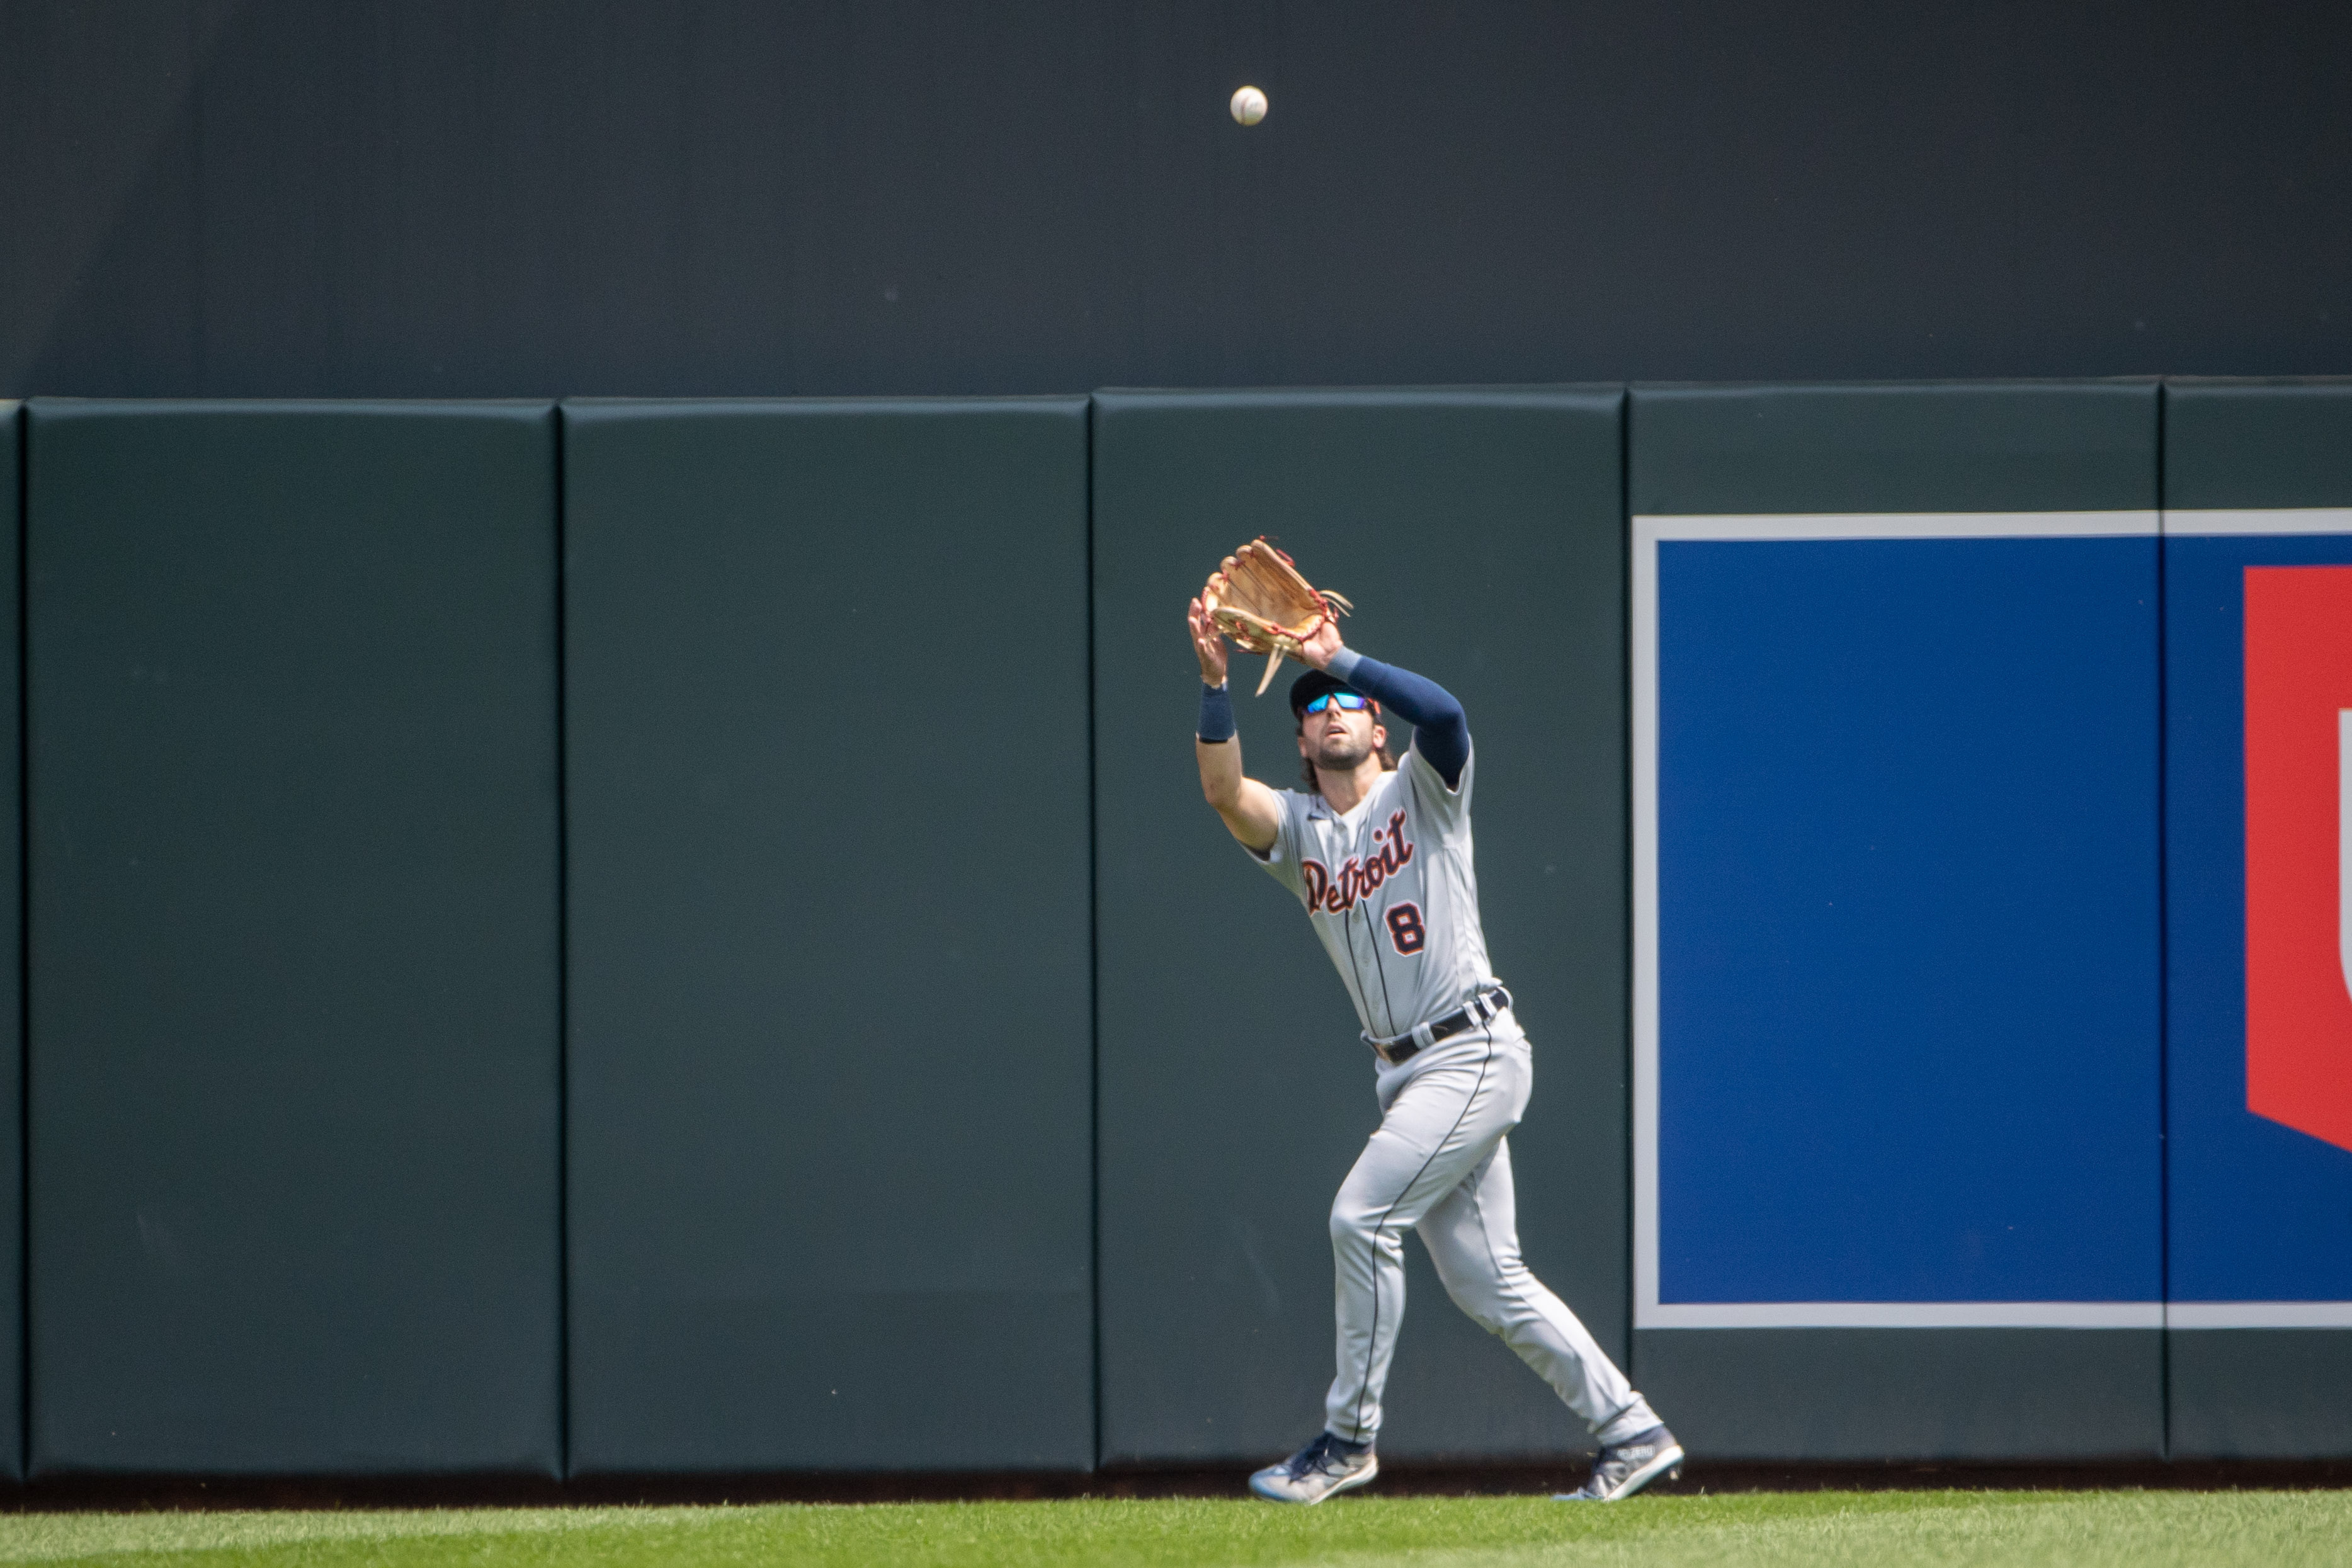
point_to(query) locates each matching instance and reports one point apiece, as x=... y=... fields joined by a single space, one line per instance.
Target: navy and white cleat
x=1327 y=1465
x=1624 y=1469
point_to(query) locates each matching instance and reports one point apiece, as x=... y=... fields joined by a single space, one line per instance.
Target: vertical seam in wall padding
x=563 y=993
x=199 y=192
x=2163 y=957
x=22 y=434
x=1094 y=990
x=1625 y=766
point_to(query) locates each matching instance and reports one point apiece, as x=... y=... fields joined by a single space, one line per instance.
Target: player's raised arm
x=1252 y=813
x=1440 y=730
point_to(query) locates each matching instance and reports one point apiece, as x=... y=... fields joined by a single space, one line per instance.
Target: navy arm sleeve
x=1441 y=729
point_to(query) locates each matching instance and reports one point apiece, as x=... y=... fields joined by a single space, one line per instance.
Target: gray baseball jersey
x=1389 y=889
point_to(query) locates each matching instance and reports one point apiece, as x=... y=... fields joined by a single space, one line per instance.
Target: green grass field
x=2129 y=1529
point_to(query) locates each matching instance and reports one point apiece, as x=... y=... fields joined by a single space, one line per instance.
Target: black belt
x=1483 y=1008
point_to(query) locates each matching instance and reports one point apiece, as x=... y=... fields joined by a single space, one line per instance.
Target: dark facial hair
x=1342 y=752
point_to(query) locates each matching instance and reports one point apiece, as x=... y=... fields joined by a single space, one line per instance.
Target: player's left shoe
x=1624 y=1469
x=1325 y=1466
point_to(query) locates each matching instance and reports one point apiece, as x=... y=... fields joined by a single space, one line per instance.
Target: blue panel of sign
x=1909 y=917
x=2260 y=1211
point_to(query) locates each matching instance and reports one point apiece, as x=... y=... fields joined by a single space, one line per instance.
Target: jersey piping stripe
x=1380 y=967
x=1348 y=925
x=1355 y=965
x=1361 y=996
x=1373 y=1340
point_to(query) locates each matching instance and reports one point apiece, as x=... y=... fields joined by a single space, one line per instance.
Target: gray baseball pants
x=1440 y=1165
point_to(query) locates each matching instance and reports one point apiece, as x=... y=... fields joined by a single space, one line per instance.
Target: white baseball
x=1249 y=105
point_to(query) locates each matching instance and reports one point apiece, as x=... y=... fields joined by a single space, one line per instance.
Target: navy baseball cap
x=1314 y=684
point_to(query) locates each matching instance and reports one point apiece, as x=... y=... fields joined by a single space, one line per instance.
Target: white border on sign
x=2258 y=1315
x=2184 y=522
x=1649 y=1313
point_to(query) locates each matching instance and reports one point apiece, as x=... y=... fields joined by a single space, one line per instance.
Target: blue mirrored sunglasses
x=1349 y=700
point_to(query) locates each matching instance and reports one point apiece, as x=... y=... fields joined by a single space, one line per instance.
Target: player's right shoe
x=1325 y=1466
x=1624 y=1469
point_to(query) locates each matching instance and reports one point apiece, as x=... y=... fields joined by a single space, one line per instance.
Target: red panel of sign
x=2299 y=848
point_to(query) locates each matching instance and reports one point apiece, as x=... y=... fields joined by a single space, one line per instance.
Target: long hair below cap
x=1305 y=689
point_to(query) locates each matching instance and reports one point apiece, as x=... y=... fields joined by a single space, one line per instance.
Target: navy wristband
x=1216 y=713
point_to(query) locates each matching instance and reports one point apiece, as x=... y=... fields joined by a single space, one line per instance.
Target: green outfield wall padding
x=830 y=995
x=2260 y=1394
x=1955 y=447
x=2257 y=443
x=12 y=973
x=294 y=1037
x=1479 y=534
x=1906 y=1394
x=1926 y=1393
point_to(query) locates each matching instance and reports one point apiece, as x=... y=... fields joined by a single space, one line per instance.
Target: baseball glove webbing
x=1259 y=600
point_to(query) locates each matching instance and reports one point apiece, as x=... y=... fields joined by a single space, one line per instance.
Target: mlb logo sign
x=2298 y=693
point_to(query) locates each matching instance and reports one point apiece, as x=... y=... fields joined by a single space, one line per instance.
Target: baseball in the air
x=1249 y=105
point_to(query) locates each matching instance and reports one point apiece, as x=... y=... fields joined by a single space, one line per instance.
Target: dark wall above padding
x=643 y=197
x=294 y=906
x=830 y=996
x=1479 y=534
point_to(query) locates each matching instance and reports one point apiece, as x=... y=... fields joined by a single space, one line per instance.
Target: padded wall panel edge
x=11 y=971
x=294 y=979
x=1478 y=532
x=830 y=1035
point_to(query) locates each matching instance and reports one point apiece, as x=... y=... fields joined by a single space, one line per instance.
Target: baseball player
x=1379 y=853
